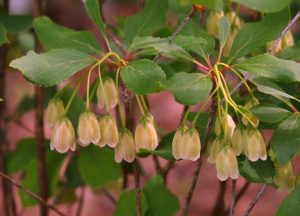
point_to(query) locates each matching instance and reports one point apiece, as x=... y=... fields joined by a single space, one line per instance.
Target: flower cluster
x=102 y=131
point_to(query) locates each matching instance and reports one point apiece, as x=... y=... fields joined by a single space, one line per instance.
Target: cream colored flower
x=110 y=91
x=109 y=132
x=254 y=146
x=63 y=136
x=213 y=150
x=145 y=135
x=186 y=144
x=238 y=140
x=88 y=130
x=226 y=164
x=225 y=126
x=284 y=177
x=55 y=111
x=125 y=150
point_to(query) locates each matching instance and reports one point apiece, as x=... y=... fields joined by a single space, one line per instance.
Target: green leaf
x=3 y=35
x=16 y=23
x=193 y=29
x=192 y=43
x=159 y=46
x=93 y=9
x=53 y=36
x=97 y=166
x=142 y=76
x=286 y=139
x=200 y=123
x=22 y=155
x=270 y=113
x=255 y=35
x=269 y=87
x=52 y=67
x=189 y=88
x=257 y=172
x=267 y=6
x=291 y=204
x=160 y=200
x=163 y=150
x=271 y=67
x=147 y=21
x=224 y=28
x=126 y=204
x=291 y=53
x=31 y=179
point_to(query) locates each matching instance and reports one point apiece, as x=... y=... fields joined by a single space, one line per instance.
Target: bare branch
x=233 y=197
x=255 y=200
x=31 y=194
x=138 y=202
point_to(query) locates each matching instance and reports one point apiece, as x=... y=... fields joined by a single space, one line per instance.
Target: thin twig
x=109 y=196
x=219 y=205
x=291 y=23
x=255 y=200
x=80 y=202
x=138 y=203
x=116 y=40
x=200 y=160
x=239 y=195
x=31 y=194
x=232 y=204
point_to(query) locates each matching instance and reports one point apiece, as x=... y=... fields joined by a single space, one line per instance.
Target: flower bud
x=226 y=164
x=110 y=91
x=237 y=141
x=284 y=177
x=212 y=21
x=88 y=130
x=229 y=42
x=186 y=145
x=226 y=126
x=125 y=150
x=213 y=150
x=109 y=132
x=287 y=39
x=253 y=102
x=145 y=134
x=254 y=145
x=234 y=20
x=63 y=136
x=54 y=112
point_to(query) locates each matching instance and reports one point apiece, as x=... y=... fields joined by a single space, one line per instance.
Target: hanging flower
x=109 y=132
x=284 y=177
x=55 y=111
x=88 y=129
x=110 y=91
x=237 y=141
x=145 y=135
x=225 y=126
x=254 y=145
x=125 y=150
x=226 y=164
x=63 y=136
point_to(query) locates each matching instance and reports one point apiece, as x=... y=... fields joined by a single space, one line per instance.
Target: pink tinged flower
x=63 y=136
x=145 y=135
x=110 y=91
x=55 y=111
x=88 y=129
x=125 y=150
x=109 y=132
x=226 y=164
x=254 y=146
x=213 y=149
x=238 y=139
x=225 y=126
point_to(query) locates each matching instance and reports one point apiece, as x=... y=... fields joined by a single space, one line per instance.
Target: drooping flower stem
x=102 y=86
x=120 y=106
x=72 y=97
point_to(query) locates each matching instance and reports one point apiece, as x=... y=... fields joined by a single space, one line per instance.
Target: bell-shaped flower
x=254 y=145
x=55 y=111
x=238 y=140
x=225 y=126
x=226 y=164
x=63 y=136
x=284 y=177
x=109 y=132
x=186 y=144
x=88 y=130
x=213 y=149
x=125 y=150
x=145 y=135
x=109 y=90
